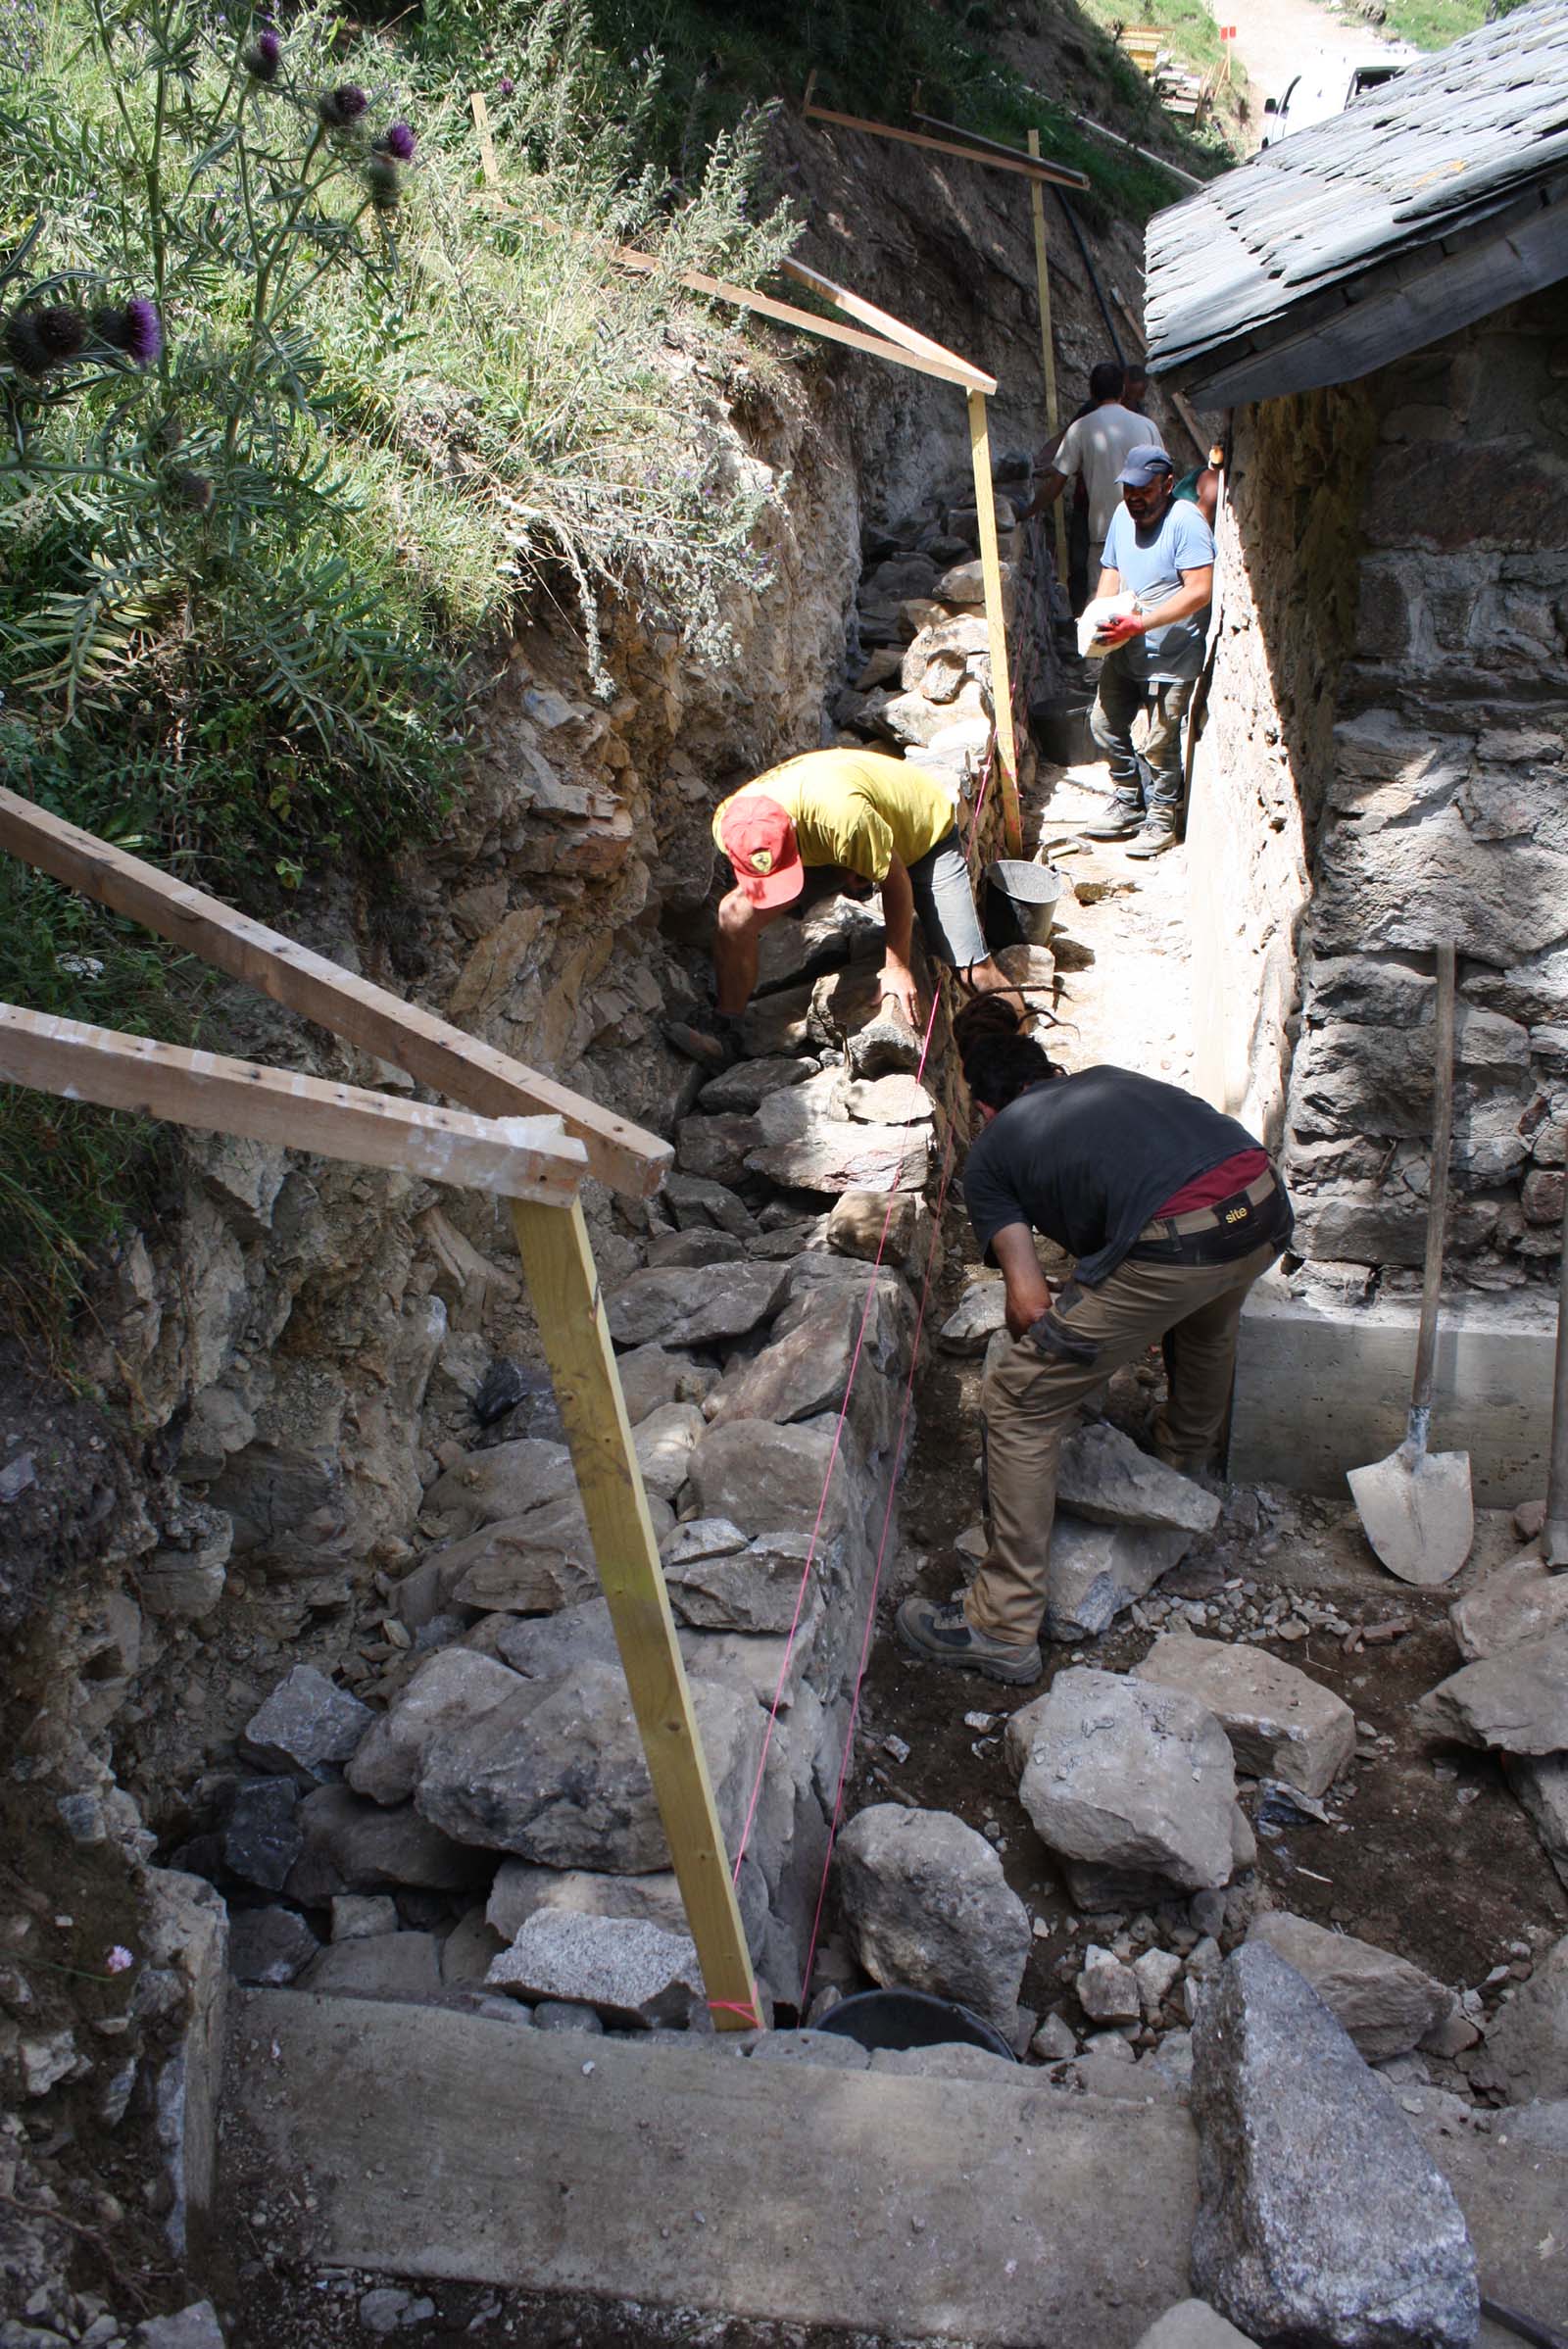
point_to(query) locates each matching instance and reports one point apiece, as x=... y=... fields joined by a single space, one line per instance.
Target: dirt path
x=1277 y=39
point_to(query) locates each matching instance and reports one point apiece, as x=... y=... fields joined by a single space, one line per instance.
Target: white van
x=1314 y=99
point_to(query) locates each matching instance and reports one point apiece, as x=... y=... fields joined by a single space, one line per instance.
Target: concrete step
x=426 y=2143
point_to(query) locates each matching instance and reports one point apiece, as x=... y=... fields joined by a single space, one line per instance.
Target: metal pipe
x=1084 y=256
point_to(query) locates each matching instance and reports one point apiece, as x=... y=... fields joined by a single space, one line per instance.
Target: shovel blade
x=1418 y=1514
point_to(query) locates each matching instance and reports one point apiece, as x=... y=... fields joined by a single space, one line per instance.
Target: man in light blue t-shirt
x=1162 y=550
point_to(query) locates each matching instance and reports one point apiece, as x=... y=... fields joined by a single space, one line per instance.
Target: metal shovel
x=1415 y=1506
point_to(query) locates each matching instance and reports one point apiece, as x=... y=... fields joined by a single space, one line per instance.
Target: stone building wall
x=1288 y=542
x=1446 y=811
x=1384 y=760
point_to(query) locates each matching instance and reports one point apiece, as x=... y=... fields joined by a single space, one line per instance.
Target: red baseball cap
x=758 y=839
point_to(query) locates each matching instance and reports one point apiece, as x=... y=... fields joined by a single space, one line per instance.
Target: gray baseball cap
x=1144 y=465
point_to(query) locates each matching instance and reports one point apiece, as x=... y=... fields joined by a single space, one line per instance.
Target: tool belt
x=1233 y=1227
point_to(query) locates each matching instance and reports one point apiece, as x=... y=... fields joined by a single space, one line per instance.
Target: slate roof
x=1430 y=201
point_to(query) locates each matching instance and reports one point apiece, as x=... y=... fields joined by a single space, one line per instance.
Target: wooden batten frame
x=445 y=1058
x=535 y=1161
x=558 y=1262
x=1047 y=347
x=990 y=154
x=529 y=1158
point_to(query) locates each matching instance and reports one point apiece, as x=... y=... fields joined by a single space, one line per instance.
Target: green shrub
x=293 y=412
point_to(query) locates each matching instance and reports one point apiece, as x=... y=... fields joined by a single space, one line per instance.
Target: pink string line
x=844 y=1408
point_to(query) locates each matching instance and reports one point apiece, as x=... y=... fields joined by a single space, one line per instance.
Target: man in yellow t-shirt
x=874 y=820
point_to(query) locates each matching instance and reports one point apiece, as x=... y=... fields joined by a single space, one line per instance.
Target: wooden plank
x=563 y=1284
x=1047 y=349
x=430 y=1049
x=909 y=338
x=1050 y=174
x=950 y=370
x=487 y=145
x=524 y=1157
x=1064 y=174
x=996 y=624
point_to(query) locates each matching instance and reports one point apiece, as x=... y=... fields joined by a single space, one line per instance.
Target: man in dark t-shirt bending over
x=1172 y=1211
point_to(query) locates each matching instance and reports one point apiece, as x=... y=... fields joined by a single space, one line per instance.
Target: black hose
x=1529 y=2329
x=1072 y=219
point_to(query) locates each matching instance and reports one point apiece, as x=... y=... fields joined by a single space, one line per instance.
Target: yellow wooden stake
x=997 y=625
x=563 y=1284
x=1047 y=351
x=487 y=146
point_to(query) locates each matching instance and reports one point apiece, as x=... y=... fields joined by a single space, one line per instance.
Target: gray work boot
x=1121 y=823
x=1157 y=836
x=944 y=1635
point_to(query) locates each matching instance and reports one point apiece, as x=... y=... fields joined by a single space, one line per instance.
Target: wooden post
x=1047 y=349
x=487 y=145
x=438 y=1054
x=997 y=624
x=563 y=1284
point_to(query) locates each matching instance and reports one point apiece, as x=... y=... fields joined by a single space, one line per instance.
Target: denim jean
x=1155 y=772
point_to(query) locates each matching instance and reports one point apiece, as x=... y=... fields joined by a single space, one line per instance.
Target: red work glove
x=1121 y=631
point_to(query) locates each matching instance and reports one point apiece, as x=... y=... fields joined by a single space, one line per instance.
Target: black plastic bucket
x=1020 y=903
x=900 y=2019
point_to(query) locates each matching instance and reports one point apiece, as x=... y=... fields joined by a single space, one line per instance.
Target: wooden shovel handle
x=1426 y=1344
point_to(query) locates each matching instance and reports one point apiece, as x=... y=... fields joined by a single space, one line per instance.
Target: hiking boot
x=1122 y=822
x=712 y=1050
x=944 y=1635
x=1155 y=838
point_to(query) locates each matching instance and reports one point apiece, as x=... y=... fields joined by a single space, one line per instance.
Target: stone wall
x=1288 y=545
x=1384 y=760
x=1447 y=811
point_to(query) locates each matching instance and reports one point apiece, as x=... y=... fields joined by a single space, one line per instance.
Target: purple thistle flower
x=136 y=329
x=398 y=142
x=264 y=56
x=507 y=85
x=341 y=106
x=36 y=340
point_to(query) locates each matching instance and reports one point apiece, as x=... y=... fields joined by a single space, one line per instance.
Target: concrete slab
x=1322 y=1387
x=442 y=2144
x=437 y=2144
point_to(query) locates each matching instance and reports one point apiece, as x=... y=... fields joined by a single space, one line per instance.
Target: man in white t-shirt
x=1096 y=447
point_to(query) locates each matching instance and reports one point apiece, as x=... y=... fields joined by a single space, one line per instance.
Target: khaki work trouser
x=1031 y=1401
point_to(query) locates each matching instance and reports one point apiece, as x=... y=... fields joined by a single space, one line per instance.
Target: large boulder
x=695 y=1305
x=1096 y=1572
x=1526 y=2054
x=1280 y=1723
x=1322 y=2221
x=559 y=1777
x=1522 y=1601
x=1103 y=1476
x=1515 y=1702
x=1132 y=1788
x=521 y=1890
x=1386 y=2005
x=765 y=1478
x=632 y=1971
x=449 y=1690
x=510 y=1479
x=928 y=1908
x=353 y=1846
x=307 y=1726
x=747 y=1586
